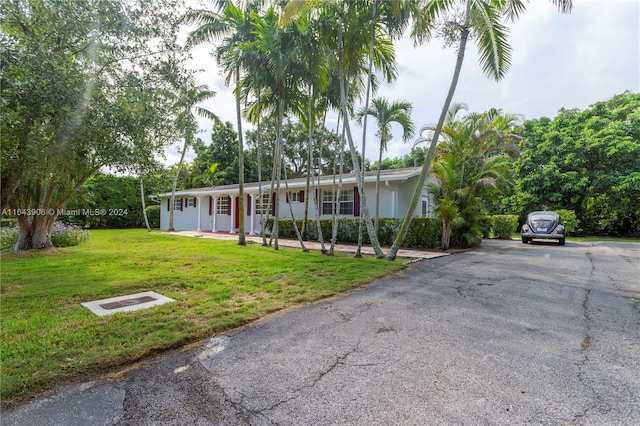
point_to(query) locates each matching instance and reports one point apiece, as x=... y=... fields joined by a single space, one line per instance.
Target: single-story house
x=217 y=208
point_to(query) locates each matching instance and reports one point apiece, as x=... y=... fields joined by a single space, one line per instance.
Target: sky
x=558 y=61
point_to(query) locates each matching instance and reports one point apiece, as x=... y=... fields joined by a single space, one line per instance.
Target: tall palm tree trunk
x=375 y=244
x=144 y=207
x=175 y=184
x=305 y=215
x=404 y=227
x=293 y=218
x=377 y=217
x=278 y=170
x=364 y=124
x=241 y=237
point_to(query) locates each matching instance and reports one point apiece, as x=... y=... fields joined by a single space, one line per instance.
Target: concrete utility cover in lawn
x=131 y=302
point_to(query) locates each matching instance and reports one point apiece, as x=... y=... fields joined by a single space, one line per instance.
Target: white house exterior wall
x=395 y=197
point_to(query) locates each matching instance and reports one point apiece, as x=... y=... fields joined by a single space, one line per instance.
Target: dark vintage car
x=544 y=225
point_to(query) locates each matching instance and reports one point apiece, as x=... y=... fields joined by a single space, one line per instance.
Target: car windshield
x=545 y=217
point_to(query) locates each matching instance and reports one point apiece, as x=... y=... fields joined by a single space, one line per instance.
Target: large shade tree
x=81 y=80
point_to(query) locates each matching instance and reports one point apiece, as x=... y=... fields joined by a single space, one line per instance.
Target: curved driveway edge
x=507 y=334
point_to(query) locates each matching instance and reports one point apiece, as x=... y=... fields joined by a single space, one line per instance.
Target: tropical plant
x=185 y=106
x=485 y=20
x=473 y=164
x=231 y=26
x=386 y=113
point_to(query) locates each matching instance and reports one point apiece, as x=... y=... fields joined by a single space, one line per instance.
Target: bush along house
x=217 y=208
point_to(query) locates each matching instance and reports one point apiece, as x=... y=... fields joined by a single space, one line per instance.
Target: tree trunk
x=305 y=215
x=364 y=124
x=175 y=183
x=278 y=150
x=295 y=225
x=144 y=207
x=404 y=228
x=337 y=195
x=375 y=244
x=377 y=218
x=446 y=235
x=35 y=234
x=241 y=237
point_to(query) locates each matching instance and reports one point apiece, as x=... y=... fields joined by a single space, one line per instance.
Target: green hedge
x=569 y=219
x=424 y=232
x=153 y=214
x=504 y=225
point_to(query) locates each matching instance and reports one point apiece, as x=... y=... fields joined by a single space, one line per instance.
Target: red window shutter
x=286 y=196
x=301 y=196
x=356 y=202
x=228 y=205
x=181 y=203
x=169 y=204
x=248 y=205
x=210 y=206
x=273 y=204
x=195 y=202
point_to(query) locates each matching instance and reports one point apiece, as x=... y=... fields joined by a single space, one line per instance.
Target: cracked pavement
x=506 y=334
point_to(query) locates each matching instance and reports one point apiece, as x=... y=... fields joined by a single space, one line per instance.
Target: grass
x=48 y=338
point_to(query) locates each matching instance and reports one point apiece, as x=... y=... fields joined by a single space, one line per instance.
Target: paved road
x=507 y=334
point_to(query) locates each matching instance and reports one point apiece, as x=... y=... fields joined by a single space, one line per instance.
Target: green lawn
x=48 y=338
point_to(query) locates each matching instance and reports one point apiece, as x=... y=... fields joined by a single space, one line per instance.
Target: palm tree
x=386 y=113
x=232 y=27
x=472 y=164
x=184 y=108
x=276 y=53
x=485 y=19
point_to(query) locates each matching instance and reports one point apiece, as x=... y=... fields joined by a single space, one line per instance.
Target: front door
x=237 y=218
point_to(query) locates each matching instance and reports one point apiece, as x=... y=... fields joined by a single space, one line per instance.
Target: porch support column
x=253 y=214
x=232 y=228
x=215 y=213
x=199 y=207
x=394 y=198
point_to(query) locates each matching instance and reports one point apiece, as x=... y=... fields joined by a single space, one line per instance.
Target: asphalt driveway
x=506 y=334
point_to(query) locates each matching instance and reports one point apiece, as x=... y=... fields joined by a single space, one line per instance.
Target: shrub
x=62 y=235
x=424 y=232
x=504 y=225
x=67 y=235
x=8 y=222
x=8 y=236
x=569 y=220
x=153 y=214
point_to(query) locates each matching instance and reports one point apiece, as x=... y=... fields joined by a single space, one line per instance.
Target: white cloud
x=558 y=60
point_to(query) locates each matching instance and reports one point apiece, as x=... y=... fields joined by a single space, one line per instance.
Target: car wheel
x=561 y=241
x=525 y=240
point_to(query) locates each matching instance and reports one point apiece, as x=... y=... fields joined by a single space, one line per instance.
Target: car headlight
x=560 y=229
x=525 y=228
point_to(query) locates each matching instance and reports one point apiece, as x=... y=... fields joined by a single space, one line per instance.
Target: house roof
x=393 y=175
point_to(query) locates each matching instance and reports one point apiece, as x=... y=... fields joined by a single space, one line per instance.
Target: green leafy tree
x=223 y=151
x=84 y=85
x=586 y=161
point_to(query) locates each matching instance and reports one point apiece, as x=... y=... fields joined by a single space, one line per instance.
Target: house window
x=327 y=202
x=191 y=202
x=223 y=205
x=177 y=204
x=262 y=208
x=345 y=204
x=427 y=210
x=295 y=196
